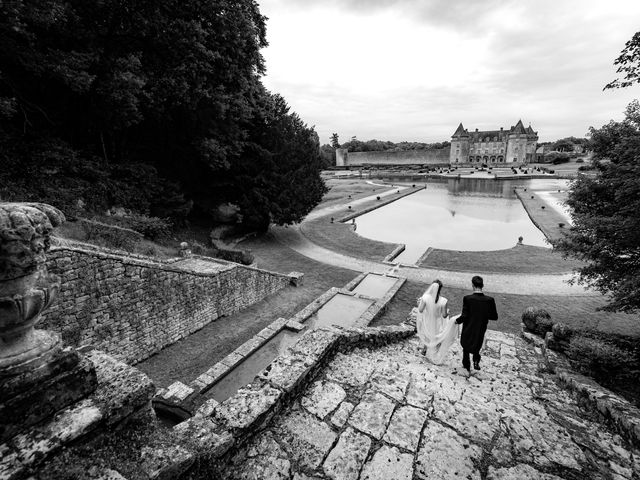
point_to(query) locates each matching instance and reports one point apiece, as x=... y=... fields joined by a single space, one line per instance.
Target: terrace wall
x=406 y=157
x=132 y=306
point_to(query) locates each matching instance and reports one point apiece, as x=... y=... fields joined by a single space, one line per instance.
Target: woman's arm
x=445 y=309
x=421 y=304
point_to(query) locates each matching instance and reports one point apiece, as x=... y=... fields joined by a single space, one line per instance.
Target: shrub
x=537 y=320
x=239 y=256
x=599 y=357
x=560 y=158
x=151 y=227
x=109 y=236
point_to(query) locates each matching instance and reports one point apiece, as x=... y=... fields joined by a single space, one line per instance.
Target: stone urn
x=26 y=289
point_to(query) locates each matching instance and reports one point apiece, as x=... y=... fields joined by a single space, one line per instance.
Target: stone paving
x=387 y=414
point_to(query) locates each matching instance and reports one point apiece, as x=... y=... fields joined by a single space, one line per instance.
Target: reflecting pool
x=375 y=286
x=457 y=214
x=343 y=310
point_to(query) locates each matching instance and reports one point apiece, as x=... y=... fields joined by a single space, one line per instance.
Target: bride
x=436 y=330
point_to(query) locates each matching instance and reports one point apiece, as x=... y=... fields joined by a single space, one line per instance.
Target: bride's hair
x=439 y=288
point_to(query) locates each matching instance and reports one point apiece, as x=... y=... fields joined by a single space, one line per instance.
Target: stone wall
x=131 y=307
x=406 y=157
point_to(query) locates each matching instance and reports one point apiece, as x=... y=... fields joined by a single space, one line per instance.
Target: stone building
x=516 y=145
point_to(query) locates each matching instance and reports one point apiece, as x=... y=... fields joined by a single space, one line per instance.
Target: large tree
x=277 y=177
x=139 y=103
x=606 y=214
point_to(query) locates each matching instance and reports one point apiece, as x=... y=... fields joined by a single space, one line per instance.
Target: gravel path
x=497 y=283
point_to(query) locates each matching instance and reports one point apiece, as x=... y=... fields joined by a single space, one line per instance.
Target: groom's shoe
x=476 y=365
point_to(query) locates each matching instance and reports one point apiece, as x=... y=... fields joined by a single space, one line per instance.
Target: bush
x=109 y=236
x=239 y=256
x=537 y=320
x=598 y=357
x=584 y=168
x=560 y=158
x=152 y=228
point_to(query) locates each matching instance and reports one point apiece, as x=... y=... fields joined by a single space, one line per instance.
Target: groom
x=477 y=310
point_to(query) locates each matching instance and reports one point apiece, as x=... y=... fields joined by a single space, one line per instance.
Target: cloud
x=412 y=70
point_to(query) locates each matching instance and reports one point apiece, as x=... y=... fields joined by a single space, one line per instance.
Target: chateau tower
x=459 y=146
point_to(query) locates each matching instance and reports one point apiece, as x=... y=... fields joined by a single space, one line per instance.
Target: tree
x=628 y=64
x=277 y=177
x=151 y=105
x=564 y=145
x=335 y=143
x=606 y=214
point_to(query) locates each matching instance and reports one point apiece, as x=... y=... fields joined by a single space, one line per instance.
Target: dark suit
x=477 y=310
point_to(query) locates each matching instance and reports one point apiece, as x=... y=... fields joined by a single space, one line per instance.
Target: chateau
x=516 y=145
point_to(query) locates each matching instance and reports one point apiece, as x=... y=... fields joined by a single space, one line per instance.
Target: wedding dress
x=436 y=330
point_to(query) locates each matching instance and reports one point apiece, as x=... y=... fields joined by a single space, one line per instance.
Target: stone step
x=122 y=391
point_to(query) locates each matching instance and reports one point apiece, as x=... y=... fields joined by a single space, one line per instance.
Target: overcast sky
x=413 y=69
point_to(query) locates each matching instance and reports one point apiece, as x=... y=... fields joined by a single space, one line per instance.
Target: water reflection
x=457 y=214
x=341 y=310
x=375 y=286
x=246 y=371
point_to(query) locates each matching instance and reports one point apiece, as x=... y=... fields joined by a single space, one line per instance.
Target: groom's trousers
x=465 y=358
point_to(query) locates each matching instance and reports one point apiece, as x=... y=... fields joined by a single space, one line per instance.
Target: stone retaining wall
x=131 y=308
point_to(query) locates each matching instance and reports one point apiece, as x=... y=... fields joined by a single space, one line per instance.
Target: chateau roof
x=519 y=128
x=460 y=132
x=480 y=135
x=500 y=135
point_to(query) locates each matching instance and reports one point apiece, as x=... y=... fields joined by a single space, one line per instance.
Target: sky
x=412 y=70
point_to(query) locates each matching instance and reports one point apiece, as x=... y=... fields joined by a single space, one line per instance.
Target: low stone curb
x=615 y=410
x=354 y=283
x=382 y=203
x=396 y=251
x=532 y=216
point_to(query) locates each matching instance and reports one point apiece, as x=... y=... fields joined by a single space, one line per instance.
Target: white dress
x=436 y=330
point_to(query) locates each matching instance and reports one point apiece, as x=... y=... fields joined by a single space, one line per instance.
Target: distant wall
x=406 y=157
x=131 y=307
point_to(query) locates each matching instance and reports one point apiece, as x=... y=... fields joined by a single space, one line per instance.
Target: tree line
x=153 y=105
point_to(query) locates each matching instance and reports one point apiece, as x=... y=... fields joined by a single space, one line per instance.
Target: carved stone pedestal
x=37 y=376
x=30 y=397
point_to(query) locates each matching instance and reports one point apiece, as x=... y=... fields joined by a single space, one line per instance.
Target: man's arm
x=465 y=311
x=493 y=312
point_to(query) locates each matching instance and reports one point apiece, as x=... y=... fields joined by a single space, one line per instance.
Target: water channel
x=341 y=309
x=458 y=214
